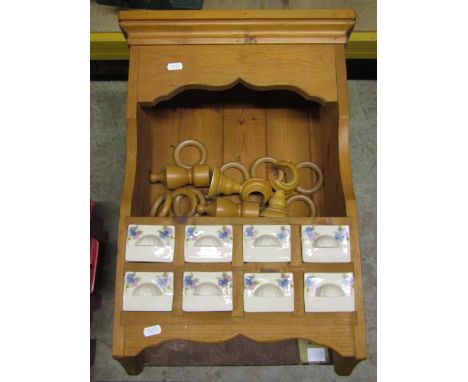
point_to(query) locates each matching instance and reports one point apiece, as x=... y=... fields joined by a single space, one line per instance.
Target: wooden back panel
x=241 y=125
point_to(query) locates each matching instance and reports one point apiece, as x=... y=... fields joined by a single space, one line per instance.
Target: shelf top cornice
x=322 y=26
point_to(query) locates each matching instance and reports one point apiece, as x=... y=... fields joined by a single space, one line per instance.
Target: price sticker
x=152 y=330
x=175 y=66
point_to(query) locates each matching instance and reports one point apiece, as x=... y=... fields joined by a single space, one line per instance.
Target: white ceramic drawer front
x=268 y=292
x=150 y=243
x=207 y=291
x=329 y=292
x=325 y=244
x=267 y=243
x=148 y=291
x=208 y=244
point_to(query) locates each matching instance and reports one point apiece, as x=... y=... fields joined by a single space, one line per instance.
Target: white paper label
x=151 y=330
x=175 y=66
x=316 y=355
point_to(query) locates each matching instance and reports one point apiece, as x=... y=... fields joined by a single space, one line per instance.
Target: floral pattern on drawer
x=329 y=292
x=150 y=243
x=325 y=244
x=267 y=243
x=208 y=244
x=148 y=291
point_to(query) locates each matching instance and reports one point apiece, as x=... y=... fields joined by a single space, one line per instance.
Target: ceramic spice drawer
x=267 y=243
x=245 y=85
x=152 y=243
x=210 y=273
x=207 y=244
x=325 y=244
x=261 y=243
x=148 y=291
x=329 y=292
x=268 y=292
x=207 y=291
x=262 y=292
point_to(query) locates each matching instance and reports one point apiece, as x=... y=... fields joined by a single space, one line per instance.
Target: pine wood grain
x=310 y=69
x=240 y=126
x=240 y=27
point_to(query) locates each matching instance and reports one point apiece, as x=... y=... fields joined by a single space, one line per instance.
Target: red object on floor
x=94 y=261
x=99 y=239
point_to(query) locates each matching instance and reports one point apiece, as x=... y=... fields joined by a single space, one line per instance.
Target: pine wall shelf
x=247 y=84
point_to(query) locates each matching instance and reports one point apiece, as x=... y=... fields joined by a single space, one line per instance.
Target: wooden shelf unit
x=253 y=83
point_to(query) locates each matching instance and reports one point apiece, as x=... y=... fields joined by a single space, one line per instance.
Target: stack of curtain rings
x=196 y=190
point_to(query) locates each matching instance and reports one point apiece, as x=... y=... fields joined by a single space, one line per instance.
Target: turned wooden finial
x=222 y=184
x=176 y=176
x=277 y=206
x=222 y=207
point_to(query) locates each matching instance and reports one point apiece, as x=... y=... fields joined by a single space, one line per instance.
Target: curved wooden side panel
x=118 y=330
x=350 y=199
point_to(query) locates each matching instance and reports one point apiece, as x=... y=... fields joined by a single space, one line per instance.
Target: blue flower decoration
x=225 y=280
x=310 y=282
x=284 y=282
x=165 y=233
x=250 y=232
x=225 y=233
x=133 y=232
x=131 y=280
x=192 y=233
x=249 y=282
x=309 y=232
x=164 y=281
x=341 y=234
x=348 y=280
x=283 y=234
x=190 y=282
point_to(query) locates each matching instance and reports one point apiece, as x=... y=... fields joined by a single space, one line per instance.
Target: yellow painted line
x=362 y=45
x=112 y=46
x=109 y=46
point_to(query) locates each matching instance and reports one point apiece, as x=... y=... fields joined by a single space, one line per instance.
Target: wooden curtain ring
x=198 y=193
x=319 y=182
x=237 y=166
x=192 y=198
x=256 y=185
x=184 y=144
x=306 y=200
x=289 y=184
x=167 y=199
x=262 y=160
